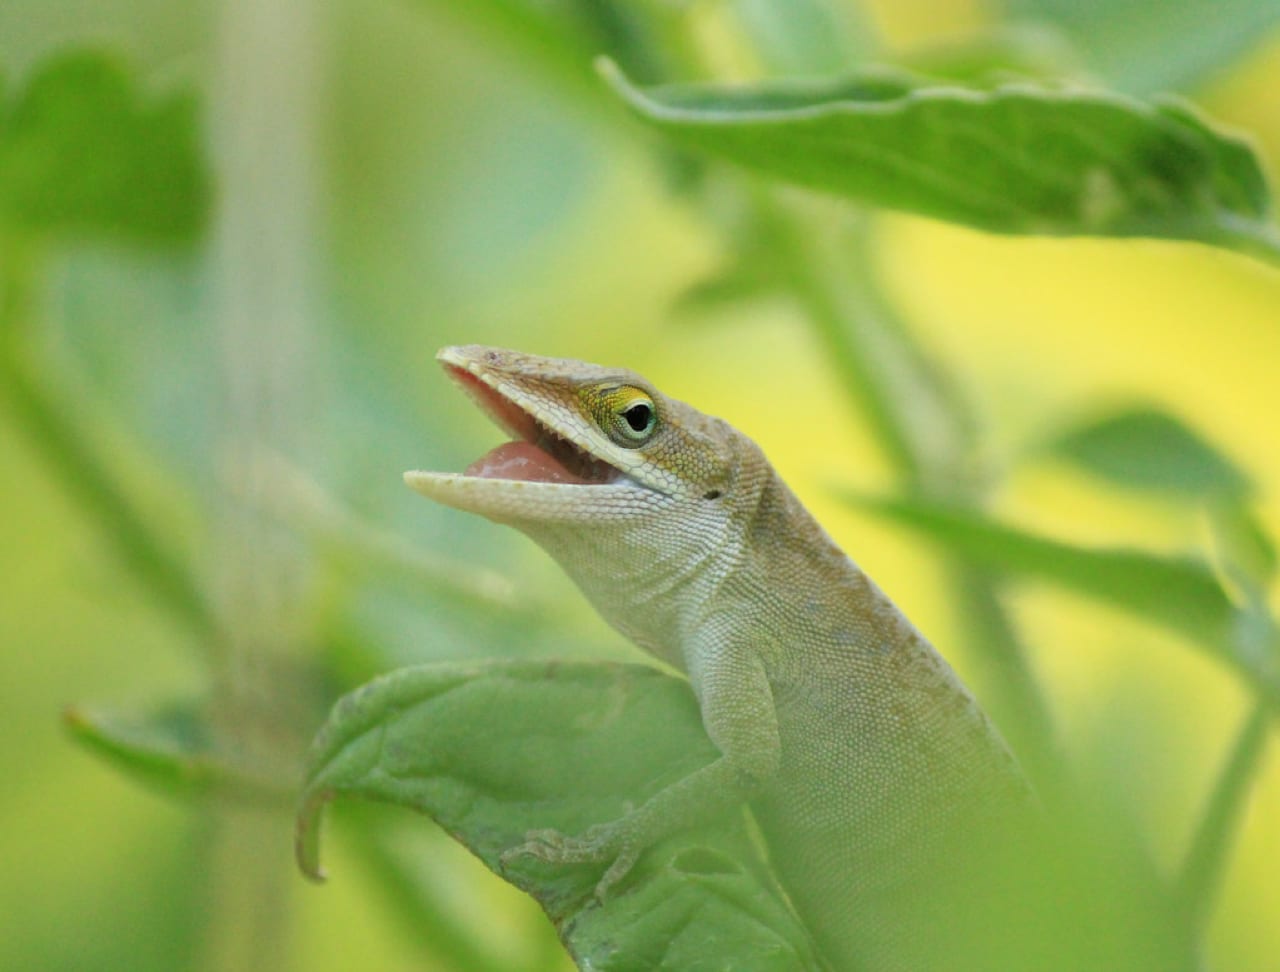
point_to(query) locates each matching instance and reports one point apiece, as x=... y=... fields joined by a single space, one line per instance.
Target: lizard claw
x=603 y=842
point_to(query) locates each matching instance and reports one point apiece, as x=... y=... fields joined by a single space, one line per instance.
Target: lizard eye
x=634 y=420
x=639 y=417
x=628 y=415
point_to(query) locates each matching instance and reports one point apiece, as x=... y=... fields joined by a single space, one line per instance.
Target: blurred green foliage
x=1152 y=47
x=1148 y=449
x=82 y=153
x=478 y=181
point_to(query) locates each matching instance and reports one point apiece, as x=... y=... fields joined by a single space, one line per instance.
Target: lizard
x=875 y=777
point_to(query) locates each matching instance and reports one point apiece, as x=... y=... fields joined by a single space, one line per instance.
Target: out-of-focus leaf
x=58 y=427
x=1179 y=593
x=85 y=151
x=1150 y=449
x=1145 y=47
x=493 y=751
x=996 y=57
x=423 y=907
x=804 y=36
x=733 y=284
x=173 y=750
x=556 y=37
x=1013 y=159
x=750 y=269
x=1249 y=554
x=298 y=500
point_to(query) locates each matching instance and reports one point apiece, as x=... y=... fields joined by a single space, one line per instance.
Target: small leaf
x=1247 y=553
x=172 y=750
x=84 y=151
x=496 y=750
x=1013 y=159
x=750 y=269
x=1150 y=449
x=1181 y=594
x=734 y=284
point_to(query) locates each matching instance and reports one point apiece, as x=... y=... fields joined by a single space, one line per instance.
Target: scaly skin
x=879 y=784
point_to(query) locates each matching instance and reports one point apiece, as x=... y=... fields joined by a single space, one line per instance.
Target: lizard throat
x=539 y=454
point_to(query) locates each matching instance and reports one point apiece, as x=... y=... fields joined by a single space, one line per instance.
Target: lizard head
x=589 y=443
x=633 y=492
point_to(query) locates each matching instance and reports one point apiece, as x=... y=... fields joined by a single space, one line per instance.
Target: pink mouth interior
x=524 y=461
x=538 y=455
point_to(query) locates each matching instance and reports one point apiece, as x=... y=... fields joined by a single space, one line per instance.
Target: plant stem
x=1017 y=696
x=1206 y=859
x=69 y=448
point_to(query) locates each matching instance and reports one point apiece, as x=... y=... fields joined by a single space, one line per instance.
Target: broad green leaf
x=84 y=150
x=173 y=750
x=1146 y=47
x=493 y=751
x=1179 y=593
x=1150 y=449
x=1018 y=158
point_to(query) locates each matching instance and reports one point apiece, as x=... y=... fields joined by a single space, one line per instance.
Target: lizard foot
x=603 y=842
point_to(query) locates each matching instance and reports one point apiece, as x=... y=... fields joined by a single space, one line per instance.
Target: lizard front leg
x=738 y=714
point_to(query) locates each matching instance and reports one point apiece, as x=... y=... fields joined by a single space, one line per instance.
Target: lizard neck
x=792 y=579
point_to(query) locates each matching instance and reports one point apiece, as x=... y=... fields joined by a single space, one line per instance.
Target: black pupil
x=638 y=416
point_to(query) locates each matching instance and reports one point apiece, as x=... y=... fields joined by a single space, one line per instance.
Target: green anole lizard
x=875 y=777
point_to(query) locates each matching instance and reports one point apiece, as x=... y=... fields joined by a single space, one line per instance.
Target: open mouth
x=539 y=454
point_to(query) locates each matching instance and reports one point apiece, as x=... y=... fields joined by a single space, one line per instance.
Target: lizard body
x=878 y=782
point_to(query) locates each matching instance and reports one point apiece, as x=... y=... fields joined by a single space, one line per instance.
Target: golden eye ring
x=627 y=415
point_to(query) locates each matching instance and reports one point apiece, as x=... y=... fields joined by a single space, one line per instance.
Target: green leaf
x=1013 y=159
x=174 y=751
x=804 y=36
x=1248 y=553
x=557 y=38
x=997 y=56
x=1181 y=594
x=1144 y=47
x=493 y=751
x=751 y=268
x=85 y=151
x=1146 y=448
x=291 y=495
